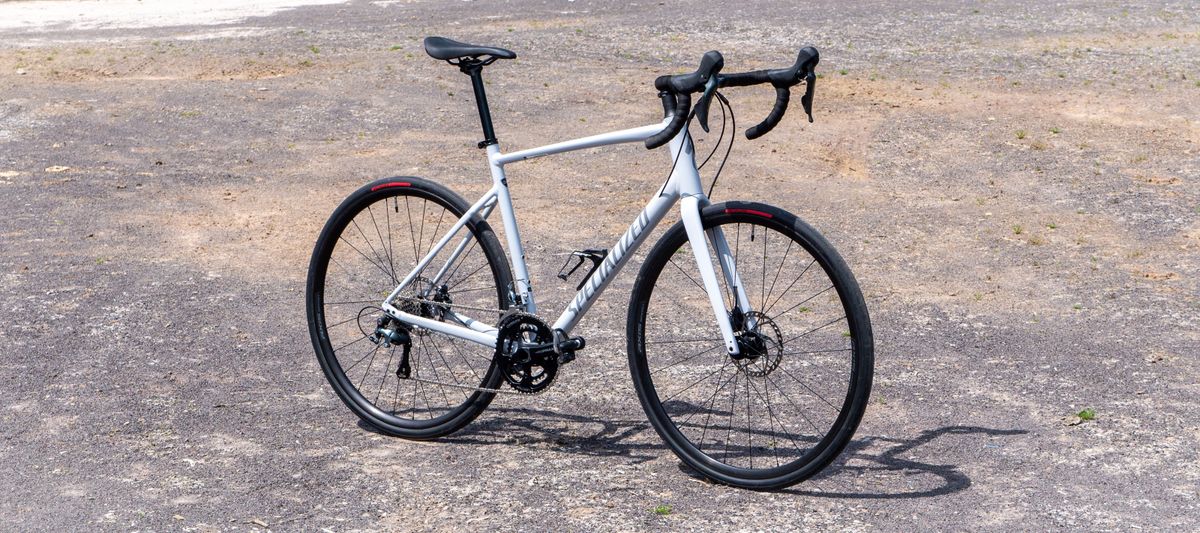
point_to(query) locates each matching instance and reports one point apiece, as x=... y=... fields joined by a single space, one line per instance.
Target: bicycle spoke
x=732 y=401
x=712 y=403
x=377 y=265
x=771 y=290
x=793 y=402
x=689 y=276
x=382 y=244
x=688 y=358
x=411 y=231
x=763 y=301
x=814 y=393
x=706 y=339
x=806 y=300
x=767 y=311
x=367 y=240
x=818 y=328
x=385 y=374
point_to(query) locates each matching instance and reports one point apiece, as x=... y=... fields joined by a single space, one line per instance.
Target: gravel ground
x=1016 y=186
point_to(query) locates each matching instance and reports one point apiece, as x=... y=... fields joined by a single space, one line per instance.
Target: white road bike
x=748 y=338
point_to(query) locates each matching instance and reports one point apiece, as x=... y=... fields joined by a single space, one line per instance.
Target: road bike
x=748 y=338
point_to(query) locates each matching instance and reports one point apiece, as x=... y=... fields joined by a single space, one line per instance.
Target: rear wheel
x=790 y=402
x=370 y=243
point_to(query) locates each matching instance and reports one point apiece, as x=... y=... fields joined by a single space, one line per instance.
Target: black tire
x=342 y=307
x=801 y=354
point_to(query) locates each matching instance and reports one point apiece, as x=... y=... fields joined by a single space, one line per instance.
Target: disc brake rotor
x=764 y=343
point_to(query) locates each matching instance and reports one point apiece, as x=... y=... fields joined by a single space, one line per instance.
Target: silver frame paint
x=682 y=186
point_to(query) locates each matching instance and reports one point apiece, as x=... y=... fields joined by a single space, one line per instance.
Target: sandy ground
x=1016 y=186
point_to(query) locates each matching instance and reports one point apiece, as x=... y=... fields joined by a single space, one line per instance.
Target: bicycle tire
x=651 y=374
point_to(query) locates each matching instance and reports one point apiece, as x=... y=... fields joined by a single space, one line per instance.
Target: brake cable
x=733 y=134
x=720 y=136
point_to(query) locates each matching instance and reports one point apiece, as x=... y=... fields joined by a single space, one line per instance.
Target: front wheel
x=788 y=404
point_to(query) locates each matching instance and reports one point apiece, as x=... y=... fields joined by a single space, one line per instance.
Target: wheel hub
x=760 y=347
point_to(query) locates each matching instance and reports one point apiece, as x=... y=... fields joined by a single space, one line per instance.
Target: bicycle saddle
x=446 y=49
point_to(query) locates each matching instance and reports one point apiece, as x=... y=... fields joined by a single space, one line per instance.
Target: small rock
x=20 y=72
x=57 y=168
x=177 y=517
x=1072 y=420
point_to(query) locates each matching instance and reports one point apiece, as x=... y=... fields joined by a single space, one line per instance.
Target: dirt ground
x=1016 y=186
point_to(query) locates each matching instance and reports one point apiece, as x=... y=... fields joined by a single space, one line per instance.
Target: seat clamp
x=486 y=142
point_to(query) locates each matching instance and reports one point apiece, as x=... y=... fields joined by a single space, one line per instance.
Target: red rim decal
x=750 y=212
x=391 y=184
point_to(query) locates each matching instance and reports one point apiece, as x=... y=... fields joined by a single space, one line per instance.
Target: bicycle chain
x=468 y=387
x=451 y=305
x=505 y=314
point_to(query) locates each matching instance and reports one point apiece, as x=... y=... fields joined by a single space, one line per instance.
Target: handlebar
x=782 y=79
x=681 y=87
x=678 y=89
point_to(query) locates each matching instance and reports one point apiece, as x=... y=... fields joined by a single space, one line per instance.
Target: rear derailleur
x=390 y=332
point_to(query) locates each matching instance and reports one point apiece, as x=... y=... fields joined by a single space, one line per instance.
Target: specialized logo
x=631 y=236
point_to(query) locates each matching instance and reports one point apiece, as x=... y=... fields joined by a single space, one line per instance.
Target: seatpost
x=475 y=70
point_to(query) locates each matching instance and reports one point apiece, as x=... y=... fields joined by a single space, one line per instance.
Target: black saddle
x=446 y=49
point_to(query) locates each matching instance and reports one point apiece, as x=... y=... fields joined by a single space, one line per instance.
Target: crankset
x=525 y=352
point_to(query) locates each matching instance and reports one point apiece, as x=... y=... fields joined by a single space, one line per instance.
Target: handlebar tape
x=782 y=95
x=683 y=103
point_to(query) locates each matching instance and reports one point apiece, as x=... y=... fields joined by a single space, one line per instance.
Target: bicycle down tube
x=683 y=184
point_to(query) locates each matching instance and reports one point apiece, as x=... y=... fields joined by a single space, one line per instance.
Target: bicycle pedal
x=566 y=347
x=595 y=255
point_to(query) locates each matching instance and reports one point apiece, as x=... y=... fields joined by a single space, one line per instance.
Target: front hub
x=761 y=347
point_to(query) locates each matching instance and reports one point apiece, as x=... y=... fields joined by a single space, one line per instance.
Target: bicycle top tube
x=616 y=137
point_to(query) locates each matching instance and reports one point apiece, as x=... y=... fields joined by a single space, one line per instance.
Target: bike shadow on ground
x=903 y=478
x=871 y=467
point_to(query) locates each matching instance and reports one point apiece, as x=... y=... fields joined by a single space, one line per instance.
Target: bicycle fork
x=692 y=201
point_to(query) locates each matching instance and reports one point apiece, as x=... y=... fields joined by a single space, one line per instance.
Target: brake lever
x=705 y=101
x=810 y=86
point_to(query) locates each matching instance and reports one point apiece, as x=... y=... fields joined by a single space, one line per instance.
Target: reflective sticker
x=749 y=212
x=391 y=184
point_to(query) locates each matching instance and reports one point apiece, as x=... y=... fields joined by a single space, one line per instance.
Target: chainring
x=525 y=371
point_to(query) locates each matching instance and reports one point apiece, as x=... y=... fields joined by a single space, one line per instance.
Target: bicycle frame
x=682 y=186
